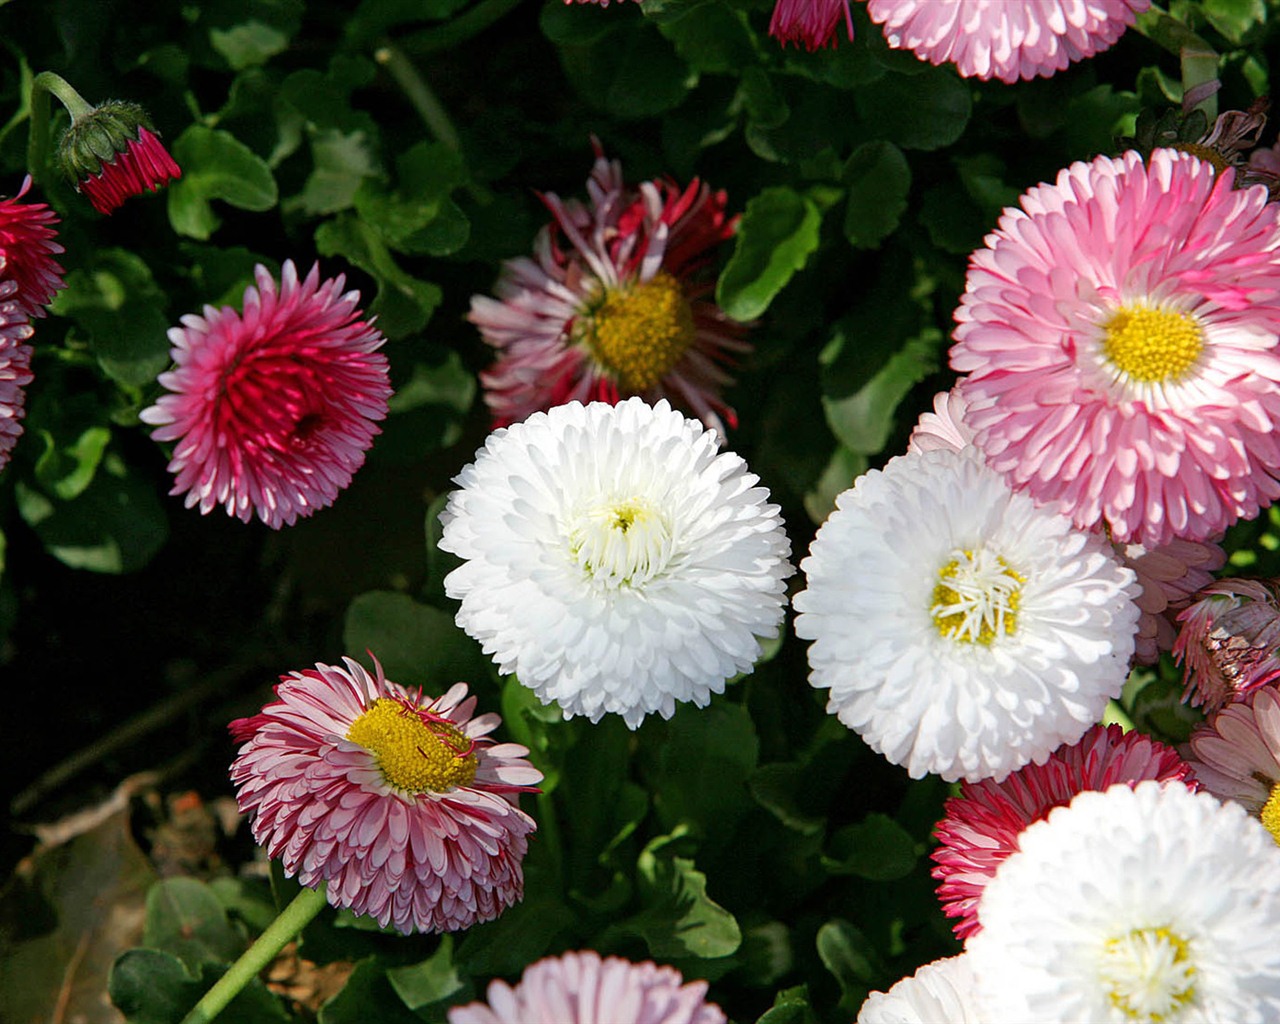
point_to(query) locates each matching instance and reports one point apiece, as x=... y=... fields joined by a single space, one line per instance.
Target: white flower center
x=621 y=543
x=1148 y=974
x=976 y=597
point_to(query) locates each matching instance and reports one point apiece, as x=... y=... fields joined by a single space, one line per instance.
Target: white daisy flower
x=960 y=629
x=1145 y=904
x=616 y=560
x=938 y=992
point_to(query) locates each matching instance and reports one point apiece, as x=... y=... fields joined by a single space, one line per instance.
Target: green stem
x=38 y=144
x=285 y=927
x=415 y=87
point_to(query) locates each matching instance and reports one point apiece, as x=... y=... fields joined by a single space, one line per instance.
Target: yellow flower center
x=976 y=598
x=1148 y=974
x=1152 y=345
x=1271 y=813
x=415 y=752
x=640 y=331
x=1206 y=153
x=621 y=543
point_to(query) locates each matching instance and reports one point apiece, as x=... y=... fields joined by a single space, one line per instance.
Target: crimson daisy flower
x=614 y=304
x=811 y=23
x=27 y=251
x=272 y=410
x=112 y=152
x=15 y=367
x=980 y=827
x=402 y=805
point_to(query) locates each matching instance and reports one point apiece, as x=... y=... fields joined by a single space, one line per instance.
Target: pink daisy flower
x=582 y=988
x=1118 y=331
x=1236 y=755
x=27 y=251
x=401 y=804
x=980 y=827
x=614 y=303
x=15 y=367
x=1229 y=644
x=1169 y=574
x=1004 y=39
x=272 y=410
x=143 y=166
x=810 y=23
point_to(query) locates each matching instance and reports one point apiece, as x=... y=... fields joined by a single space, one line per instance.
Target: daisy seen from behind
x=1119 y=331
x=1150 y=904
x=614 y=559
x=1004 y=39
x=401 y=805
x=960 y=629
x=272 y=409
x=584 y=988
x=614 y=302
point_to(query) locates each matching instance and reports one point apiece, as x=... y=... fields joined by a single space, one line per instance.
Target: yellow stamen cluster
x=1271 y=813
x=414 y=755
x=976 y=598
x=621 y=543
x=1152 y=345
x=1148 y=974
x=639 y=332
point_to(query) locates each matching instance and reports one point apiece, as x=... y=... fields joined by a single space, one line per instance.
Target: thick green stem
x=415 y=87
x=291 y=921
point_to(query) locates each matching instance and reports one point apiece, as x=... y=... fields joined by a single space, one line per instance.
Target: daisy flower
x=272 y=410
x=1236 y=754
x=960 y=629
x=15 y=367
x=944 y=428
x=27 y=251
x=614 y=559
x=402 y=805
x=112 y=152
x=614 y=302
x=1150 y=904
x=1004 y=39
x=940 y=991
x=1229 y=643
x=811 y=23
x=582 y=988
x=1118 y=331
x=980 y=827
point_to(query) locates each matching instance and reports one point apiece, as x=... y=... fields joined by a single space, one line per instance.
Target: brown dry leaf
x=305 y=983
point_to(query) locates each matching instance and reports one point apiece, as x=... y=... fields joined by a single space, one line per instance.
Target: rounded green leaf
x=777 y=233
x=876 y=848
x=879 y=179
x=927 y=110
x=215 y=165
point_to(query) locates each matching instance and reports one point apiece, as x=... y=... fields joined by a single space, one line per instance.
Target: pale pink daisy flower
x=614 y=303
x=15 y=367
x=400 y=805
x=272 y=410
x=1004 y=39
x=1119 y=335
x=27 y=251
x=1229 y=643
x=1236 y=755
x=980 y=827
x=944 y=427
x=811 y=23
x=582 y=988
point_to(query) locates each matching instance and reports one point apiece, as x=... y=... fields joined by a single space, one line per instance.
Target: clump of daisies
x=615 y=559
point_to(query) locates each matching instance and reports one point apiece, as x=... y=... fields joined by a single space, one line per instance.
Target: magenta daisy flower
x=27 y=251
x=582 y=988
x=15 y=367
x=1004 y=39
x=143 y=166
x=111 y=151
x=1236 y=755
x=401 y=805
x=1119 y=335
x=810 y=23
x=980 y=827
x=1229 y=643
x=272 y=410
x=614 y=303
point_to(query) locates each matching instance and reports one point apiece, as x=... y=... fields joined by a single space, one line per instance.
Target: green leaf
x=418 y=645
x=151 y=987
x=248 y=44
x=117 y=303
x=343 y=161
x=1234 y=18
x=876 y=848
x=711 y=37
x=578 y=25
x=114 y=526
x=426 y=411
x=844 y=467
x=679 y=919
x=926 y=110
x=864 y=420
x=850 y=956
x=65 y=471
x=215 y=165
x=185 y=918
x=419 y=218
x=367 y=996
x=521 y=935
x=430 y=981
x=790 y=1006
x=879 y=179
x=631 y=73
x=1155 y=704
x=778 y=231
x=778 y=788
